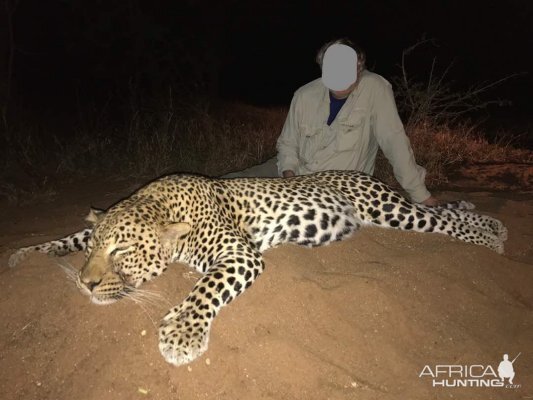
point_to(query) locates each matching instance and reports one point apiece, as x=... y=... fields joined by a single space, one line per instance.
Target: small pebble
x=143 y=332
x=208 y=361
x=142 y=391
x=189 y=368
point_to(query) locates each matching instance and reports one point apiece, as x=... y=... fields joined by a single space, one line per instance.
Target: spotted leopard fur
x=220 y=227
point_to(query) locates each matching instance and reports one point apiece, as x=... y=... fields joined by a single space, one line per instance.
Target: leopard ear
x=171 y=233
x=94 y=216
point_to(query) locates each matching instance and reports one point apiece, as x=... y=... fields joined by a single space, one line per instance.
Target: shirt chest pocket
x=310 y=142
x=351 y=131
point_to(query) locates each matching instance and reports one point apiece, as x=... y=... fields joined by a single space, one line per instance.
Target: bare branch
x=434 y=99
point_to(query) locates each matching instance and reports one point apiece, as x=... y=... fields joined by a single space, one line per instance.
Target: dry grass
x=441 y=149
x=213 y=143
x=152 y=144
x=209 y=143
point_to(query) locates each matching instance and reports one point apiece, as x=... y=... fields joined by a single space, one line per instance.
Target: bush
x=432 y=99
x=441 y=149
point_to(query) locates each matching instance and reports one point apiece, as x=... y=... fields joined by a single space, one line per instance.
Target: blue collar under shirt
x=335 y=106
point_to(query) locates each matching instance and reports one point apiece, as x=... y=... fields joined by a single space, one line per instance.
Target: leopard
x=221 y=227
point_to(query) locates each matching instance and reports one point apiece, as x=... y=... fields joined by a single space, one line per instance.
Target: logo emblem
x=474 y=375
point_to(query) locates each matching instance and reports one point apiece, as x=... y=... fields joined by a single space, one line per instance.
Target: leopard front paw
x=183 y=338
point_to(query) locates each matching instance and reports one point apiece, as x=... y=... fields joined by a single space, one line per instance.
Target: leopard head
x=127 y=247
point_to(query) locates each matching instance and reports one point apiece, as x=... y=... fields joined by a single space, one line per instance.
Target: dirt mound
x=357 y=319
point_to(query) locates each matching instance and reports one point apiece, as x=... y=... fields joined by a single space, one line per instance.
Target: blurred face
x=342 y=94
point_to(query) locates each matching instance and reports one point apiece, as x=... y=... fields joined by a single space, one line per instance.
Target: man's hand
x=289 y=173
x=430 y=201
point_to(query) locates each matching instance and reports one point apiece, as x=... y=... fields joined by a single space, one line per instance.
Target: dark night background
x=73 y=53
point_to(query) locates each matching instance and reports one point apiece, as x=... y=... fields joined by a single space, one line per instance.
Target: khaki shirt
x=367 y=120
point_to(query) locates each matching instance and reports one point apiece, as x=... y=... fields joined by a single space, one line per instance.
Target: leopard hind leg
x=462 y=225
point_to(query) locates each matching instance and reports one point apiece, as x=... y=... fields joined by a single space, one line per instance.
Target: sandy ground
x=355 y=320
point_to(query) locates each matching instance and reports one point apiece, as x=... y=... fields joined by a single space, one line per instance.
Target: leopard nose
x=91 y=284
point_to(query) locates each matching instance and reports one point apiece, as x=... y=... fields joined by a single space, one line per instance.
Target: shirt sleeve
x=391 y=137
x=287 y=144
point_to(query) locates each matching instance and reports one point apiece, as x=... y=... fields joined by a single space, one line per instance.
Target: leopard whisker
x=145 y=310
x=141 y=296
x=70 y=271
x=142 y=303
x=152 y=295
x=140 y=300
